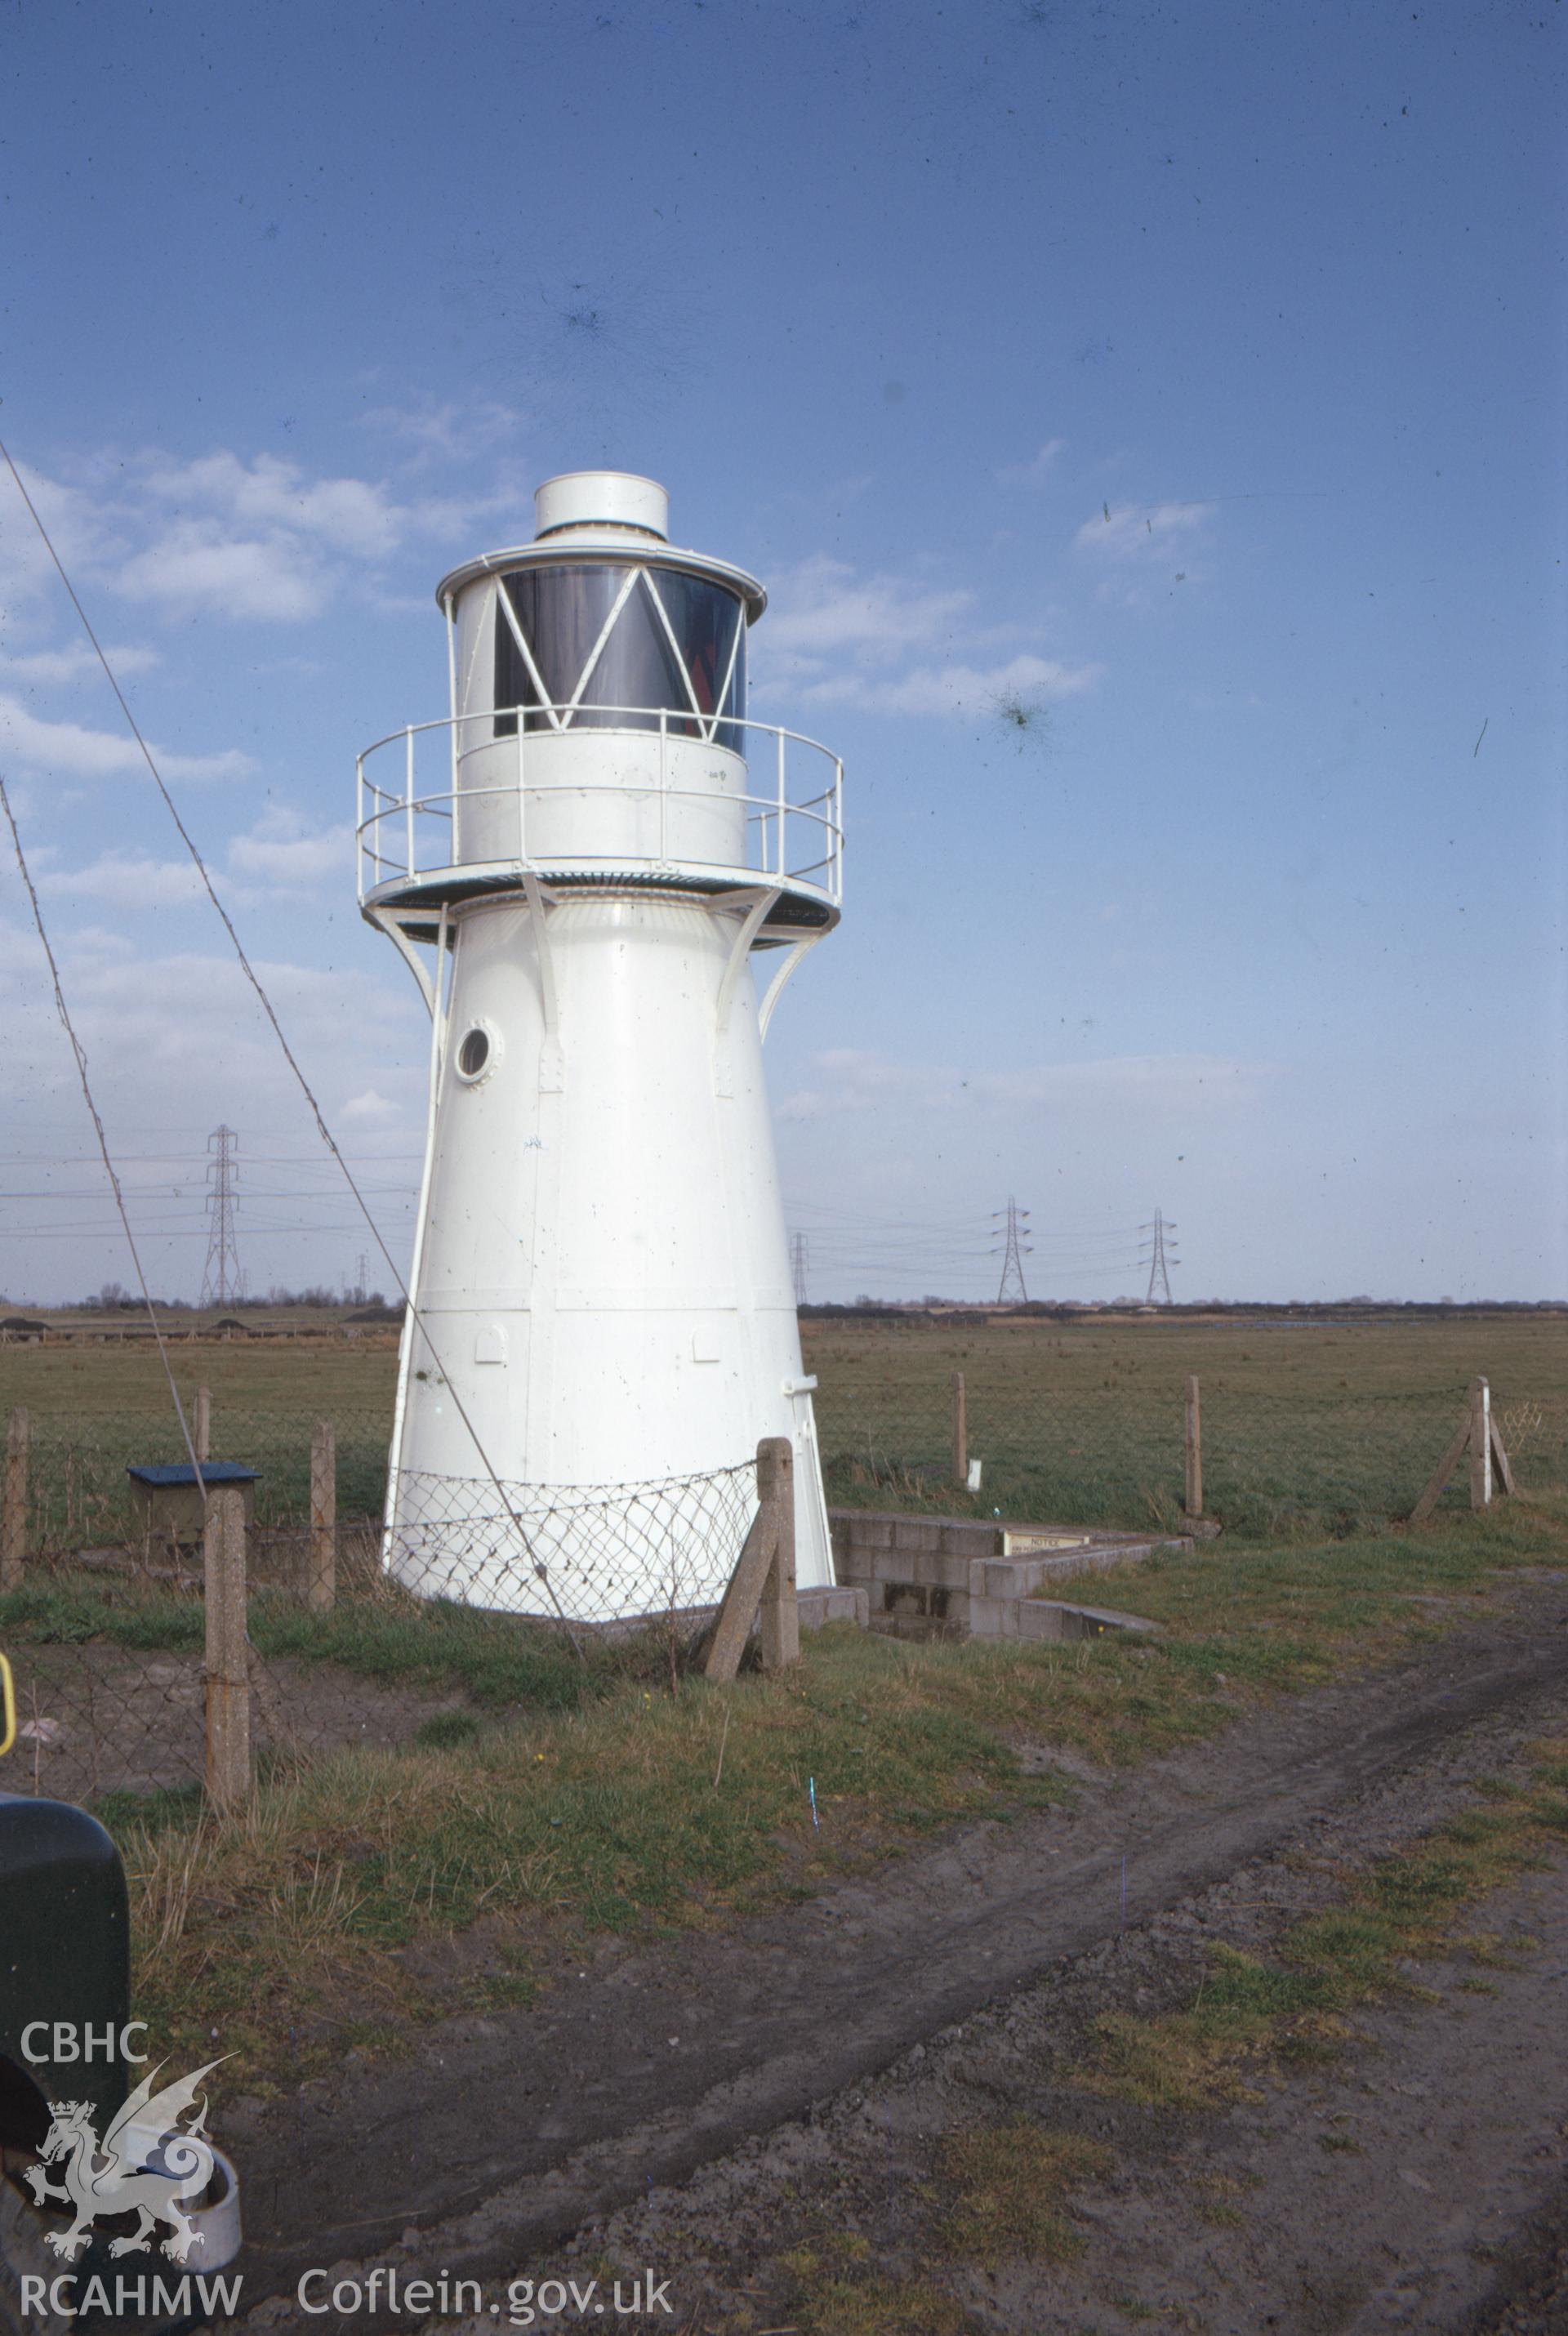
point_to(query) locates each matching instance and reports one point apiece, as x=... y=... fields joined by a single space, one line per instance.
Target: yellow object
x=8 y=1717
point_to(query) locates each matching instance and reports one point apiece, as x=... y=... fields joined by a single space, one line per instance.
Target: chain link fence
x=595 y=1553
x=109 y=1652
x=473 y=1600
x=1064 y=1433
x=81 y=1496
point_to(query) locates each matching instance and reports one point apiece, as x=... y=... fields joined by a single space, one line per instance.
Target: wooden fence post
x=960 y=1431
x=1480 y=1444
x=1502 y=1467
x=14 y=1504
x=228 y=1667
x=1195 y=1451
x=754 y=1565
x=780 y=1621
x=1478 y=1433
x=202 y=1437
x=321 y=1590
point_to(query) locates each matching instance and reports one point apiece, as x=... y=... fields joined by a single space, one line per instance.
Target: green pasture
x=1309 y=1427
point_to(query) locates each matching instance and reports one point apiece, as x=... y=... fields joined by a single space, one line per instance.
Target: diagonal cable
x=80 y=1052
x=289 y=1055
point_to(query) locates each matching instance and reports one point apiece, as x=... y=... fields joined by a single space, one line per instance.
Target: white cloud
x=956 y=688
x=126 y=880
x=821 y=608
x=81 y=658
x=1139 y=531
x=70 y=749
x=371 y=1106
x=1033 y=473
x=449 y=432
x=281 y=850
x=72 y=517
x=256 y=539
x=194 y=565
x=837 y=638
x=176 y=1043
x=279 y=855
x=186 y=1027
x=351 y=515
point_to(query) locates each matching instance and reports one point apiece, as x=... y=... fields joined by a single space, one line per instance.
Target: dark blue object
x=213 y=1472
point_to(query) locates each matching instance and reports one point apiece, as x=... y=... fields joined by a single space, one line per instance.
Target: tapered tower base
x=603 y=1326
x=605 y=1320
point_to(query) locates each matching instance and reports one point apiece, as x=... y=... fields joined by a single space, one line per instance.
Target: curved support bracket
x=539 y=902
x=756 y=901
x=776 y=987
x=394 y=928
x=551 y=1064
x=756 y=905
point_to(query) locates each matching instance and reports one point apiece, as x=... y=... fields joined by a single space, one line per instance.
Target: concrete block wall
x=959 y=1577
x=849 y=1602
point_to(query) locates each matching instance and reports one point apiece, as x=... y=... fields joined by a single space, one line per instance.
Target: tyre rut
x=500 y=2135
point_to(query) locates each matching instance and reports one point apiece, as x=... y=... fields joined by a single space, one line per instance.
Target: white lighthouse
x=597 y=842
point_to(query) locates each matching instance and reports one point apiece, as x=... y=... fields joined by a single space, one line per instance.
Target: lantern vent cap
x=601 y=500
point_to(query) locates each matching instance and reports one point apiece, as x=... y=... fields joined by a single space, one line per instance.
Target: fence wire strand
x=452 y=1602
x=441 y=1625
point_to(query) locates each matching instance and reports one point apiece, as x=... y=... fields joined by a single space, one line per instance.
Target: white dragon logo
x=116 y=2176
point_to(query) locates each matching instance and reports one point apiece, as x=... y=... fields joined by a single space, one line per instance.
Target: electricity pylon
x=222 y=1281
x=798 y=1262
x=1013 y=1255
x=1161 y=1257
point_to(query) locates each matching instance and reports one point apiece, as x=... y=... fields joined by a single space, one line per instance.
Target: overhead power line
x=415 y=1316
x=81 y=1059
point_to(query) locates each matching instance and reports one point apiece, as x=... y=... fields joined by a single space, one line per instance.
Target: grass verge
x=1250 y=2014
x=1003 y=2194
x=1010 y=2184
x=322 y=1915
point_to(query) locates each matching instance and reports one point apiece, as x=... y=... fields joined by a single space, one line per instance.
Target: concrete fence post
x=14 y=1504
x=1193 y=1440
x=1480 y=1444
x=321 y=1589
x=780 y=1621
x=202 y=1435
x=228 y=1669
x=960 y=1431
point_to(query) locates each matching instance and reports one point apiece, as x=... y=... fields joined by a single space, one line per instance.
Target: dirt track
x=503 y=2137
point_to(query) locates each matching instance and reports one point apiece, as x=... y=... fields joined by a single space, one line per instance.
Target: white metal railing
x=404 y=833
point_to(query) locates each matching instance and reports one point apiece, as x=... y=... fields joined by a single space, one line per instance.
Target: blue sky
x=1188 y=379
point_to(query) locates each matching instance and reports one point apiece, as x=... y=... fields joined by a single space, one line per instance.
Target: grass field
x=566 y=1799
x=1309 y=1427
x=645 y=1807
x=94 y=1410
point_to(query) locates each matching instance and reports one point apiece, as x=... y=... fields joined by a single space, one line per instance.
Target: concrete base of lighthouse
x=607 y=1320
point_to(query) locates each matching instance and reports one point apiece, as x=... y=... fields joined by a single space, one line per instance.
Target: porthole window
x=476 y=1051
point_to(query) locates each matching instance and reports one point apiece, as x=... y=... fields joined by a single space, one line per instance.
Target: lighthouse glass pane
x=702 y=621
x=513 y=683
x=637 y=668
x=560 y=612
x=729 y=733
